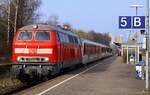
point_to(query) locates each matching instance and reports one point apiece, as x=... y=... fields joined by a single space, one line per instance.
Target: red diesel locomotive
x=44 y=50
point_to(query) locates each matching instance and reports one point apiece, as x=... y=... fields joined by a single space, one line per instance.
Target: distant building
x=110 y=35
x=119 y=39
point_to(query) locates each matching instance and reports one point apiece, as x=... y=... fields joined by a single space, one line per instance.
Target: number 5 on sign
x=124 y=22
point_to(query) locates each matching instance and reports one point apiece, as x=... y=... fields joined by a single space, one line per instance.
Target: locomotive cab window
x=42 y=35
x=24 y=35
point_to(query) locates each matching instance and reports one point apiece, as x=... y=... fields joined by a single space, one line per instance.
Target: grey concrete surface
x=109 y=77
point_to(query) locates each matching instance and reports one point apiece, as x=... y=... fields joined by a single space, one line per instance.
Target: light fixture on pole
x=136 y=6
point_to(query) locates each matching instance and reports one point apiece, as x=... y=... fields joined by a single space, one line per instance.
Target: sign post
x=138 y=22
x=147 y=46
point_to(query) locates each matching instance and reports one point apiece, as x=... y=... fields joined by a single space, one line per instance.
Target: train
x=45 y=50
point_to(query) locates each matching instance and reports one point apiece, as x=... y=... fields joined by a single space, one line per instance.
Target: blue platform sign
x=124 y=22
x=138 y=22
x=129 y=22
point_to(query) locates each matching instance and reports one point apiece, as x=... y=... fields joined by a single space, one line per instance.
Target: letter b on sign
x=138 y=22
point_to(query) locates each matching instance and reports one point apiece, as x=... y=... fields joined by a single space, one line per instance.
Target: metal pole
x=136 y=60
x=135 y=48
x=127 y=55
x=138 y=54
x=147 y=47
x=136 y=10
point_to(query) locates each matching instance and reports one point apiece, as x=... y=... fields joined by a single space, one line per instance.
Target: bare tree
x=103 y=38
x=15 y=14
x=53 y=19
x=8 y=26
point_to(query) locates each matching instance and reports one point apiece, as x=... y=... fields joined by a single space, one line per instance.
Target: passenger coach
x=93 y=51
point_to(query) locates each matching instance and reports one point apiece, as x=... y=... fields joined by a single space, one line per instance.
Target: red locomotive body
x=44 y=49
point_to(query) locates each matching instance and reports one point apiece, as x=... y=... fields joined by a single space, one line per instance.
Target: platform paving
x=109 y=77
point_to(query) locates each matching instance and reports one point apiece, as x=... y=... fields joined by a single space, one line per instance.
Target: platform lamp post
x=136 y=6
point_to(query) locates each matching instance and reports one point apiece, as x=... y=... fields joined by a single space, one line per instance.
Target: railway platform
x=106 y=77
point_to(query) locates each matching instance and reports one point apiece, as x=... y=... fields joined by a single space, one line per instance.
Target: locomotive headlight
x=35 y=26
x=18 y=58
x=46 y=59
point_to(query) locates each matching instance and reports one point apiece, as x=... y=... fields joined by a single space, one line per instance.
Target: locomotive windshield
x=25 y=35
x=42 y=36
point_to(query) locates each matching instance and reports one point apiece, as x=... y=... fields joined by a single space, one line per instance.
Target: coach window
x=102 y=50
x=84 y=48
x=25 y=35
